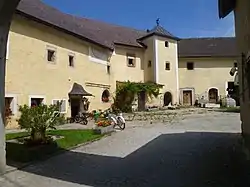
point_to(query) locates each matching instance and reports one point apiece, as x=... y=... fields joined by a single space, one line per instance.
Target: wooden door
x=187 y=98
x=141 y=101
x=213 y=95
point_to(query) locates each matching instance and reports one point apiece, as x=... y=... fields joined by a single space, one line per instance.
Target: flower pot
x=104 y=130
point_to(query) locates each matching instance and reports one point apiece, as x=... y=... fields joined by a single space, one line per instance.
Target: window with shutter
x=62 y=103
x=63 y=106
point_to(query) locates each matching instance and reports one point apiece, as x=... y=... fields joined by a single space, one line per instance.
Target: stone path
x=201 y=151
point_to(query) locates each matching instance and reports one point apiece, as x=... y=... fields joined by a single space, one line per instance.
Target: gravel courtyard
x=199 y=150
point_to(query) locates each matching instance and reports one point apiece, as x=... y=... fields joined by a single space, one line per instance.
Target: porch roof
x=77 y=89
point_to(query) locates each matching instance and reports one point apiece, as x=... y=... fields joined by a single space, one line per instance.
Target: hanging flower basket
x=105 y=99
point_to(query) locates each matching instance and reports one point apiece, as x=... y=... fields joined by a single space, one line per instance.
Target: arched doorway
x=167 y=98
x=213 y=95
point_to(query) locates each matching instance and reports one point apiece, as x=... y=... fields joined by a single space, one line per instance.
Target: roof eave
x=161 y=35
x=19 y=12
x=207 y=56
x=226 y=7
x=128 y=45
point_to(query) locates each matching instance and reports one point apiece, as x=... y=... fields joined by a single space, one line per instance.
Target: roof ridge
x=87 y=18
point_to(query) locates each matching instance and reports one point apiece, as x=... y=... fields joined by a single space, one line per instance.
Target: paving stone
x=201 y=150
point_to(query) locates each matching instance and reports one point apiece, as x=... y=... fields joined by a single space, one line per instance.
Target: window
x=190 y=65
x=166 y=44
x=9 y=105
x=61 y=103
x=105 y=96
x=167 y=66
x=108 y=69
x=51 y=55
x=230 y=87
x=98 y=55
x=36 y=101
x=149 y=63
x=131 y=60
x=71 y=60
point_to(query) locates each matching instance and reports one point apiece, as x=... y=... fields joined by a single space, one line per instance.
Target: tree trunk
x=38 y=137
x=7 y=7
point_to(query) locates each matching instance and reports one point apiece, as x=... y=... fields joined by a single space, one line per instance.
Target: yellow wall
x=168 y=78
x=149 y=55
x=29 y=73
x=208 y=73
x=120 y=69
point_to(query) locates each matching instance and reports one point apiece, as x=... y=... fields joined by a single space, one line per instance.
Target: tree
x=38 y=119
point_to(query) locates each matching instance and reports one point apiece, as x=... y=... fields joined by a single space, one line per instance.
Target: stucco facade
x=44 y=62
x=208 y=73
x=29 y=74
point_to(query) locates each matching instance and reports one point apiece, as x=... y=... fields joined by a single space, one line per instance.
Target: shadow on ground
x=189 y=159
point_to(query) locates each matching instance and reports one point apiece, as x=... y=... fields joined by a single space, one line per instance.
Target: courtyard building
x=56 y=57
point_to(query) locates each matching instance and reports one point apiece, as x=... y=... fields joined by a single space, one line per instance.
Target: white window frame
x=37 y=97
x=15 y=105
x=66 y=106
x=97 y=60
x=166 y=42
x=133 y=58
x=51 y=48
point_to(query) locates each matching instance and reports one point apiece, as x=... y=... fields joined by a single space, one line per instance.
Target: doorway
x=213 y=95
x=167 y=98
x=75 y=104
x=187 y=97
x=142 y=101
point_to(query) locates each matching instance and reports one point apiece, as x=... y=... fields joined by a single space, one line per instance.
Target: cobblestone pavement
x=201 y=150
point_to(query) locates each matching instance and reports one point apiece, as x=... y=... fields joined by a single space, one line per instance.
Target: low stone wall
x=104 y=130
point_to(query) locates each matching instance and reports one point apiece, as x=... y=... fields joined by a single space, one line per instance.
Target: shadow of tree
x=188 y=159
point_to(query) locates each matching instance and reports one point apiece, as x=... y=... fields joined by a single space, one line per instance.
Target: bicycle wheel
x=84 y=121
x=120 y=123
x=77 y=119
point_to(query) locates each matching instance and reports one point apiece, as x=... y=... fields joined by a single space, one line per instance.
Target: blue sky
x=184 y=18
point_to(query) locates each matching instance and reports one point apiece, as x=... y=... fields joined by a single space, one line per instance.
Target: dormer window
x=98 y=55
x=166 y=44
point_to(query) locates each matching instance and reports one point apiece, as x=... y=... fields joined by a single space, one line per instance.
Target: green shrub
x=37 y=120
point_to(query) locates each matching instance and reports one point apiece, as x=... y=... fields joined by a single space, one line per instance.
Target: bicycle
x=82 y=118
x=117 y=119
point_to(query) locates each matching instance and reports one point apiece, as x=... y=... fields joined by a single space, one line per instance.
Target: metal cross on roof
x=158 y=22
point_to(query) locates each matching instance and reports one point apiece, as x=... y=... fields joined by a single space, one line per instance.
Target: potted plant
x=103 y=126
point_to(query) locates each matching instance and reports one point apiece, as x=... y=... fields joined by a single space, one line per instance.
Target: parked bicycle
x=82 y=118
x=117 y=119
